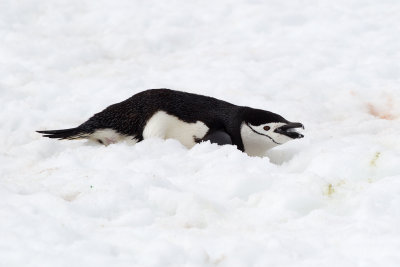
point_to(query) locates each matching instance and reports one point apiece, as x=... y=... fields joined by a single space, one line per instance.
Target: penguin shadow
x=276 y=156
x=280 y=156
x=92 y=143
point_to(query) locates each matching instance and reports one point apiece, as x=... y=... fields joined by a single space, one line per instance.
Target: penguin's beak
x=289 y=130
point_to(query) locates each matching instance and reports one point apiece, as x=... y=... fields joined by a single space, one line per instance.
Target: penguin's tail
x=69 y=134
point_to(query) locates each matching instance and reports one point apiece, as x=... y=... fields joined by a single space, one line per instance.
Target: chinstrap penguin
x=189 y=118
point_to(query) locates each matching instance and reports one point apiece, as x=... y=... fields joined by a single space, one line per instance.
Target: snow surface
x=330 y=199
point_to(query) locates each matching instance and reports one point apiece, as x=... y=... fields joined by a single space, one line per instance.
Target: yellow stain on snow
x=331 y=190
x=374 y=159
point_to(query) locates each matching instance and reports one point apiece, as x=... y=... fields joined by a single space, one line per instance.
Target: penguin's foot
x=110 y=136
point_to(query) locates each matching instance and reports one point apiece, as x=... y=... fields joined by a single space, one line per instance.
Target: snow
x=329 y=199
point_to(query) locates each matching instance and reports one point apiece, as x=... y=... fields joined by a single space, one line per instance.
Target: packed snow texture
x=330 y=199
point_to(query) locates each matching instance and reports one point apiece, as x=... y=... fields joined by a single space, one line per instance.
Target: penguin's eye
x=100 y=141
x=267 y=128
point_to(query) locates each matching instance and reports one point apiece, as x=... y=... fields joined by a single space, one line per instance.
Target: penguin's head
x=262 y=130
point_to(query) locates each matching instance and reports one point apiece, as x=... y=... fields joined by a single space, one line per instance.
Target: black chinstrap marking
x=263 y=134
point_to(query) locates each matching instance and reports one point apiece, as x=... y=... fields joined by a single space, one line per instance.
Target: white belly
x=163 y=125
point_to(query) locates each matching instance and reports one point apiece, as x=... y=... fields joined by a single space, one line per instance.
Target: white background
x=330 y=199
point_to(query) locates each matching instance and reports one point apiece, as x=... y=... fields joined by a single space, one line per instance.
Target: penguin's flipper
x=73 y=133
x=218 y=137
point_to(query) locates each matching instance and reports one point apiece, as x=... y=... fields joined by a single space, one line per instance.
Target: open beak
x=289 y=130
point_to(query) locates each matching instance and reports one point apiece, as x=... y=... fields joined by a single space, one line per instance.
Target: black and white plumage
x=187 y=117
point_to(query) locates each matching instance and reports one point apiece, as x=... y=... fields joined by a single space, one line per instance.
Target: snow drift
x=331 y=199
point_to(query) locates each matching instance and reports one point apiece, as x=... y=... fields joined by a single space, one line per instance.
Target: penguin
x=189 y=118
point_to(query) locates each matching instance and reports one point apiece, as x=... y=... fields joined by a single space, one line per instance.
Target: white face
x=258 y=139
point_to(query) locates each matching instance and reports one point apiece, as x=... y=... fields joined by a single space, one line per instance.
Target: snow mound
x=330 y=199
